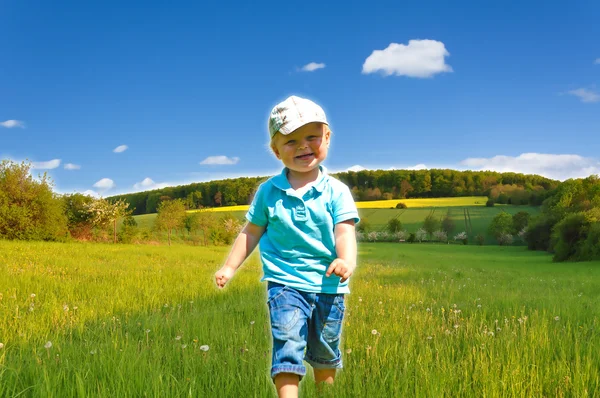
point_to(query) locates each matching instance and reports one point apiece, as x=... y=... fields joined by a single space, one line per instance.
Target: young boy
x=304 y=220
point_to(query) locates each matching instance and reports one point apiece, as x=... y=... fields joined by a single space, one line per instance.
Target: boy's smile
x=303 y=150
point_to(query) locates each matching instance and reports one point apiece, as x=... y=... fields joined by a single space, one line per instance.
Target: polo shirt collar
x=280 y=181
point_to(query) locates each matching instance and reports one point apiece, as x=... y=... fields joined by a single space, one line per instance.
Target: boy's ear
x=275 y=151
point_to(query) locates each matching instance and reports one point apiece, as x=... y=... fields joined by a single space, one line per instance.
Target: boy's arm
x=243 y=246
x=345 y=248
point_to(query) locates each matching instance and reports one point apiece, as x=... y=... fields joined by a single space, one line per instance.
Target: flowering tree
x=103 y=213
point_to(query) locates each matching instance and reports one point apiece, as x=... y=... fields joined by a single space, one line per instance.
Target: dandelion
x=428 y=310
x=178 y=338
x=32 y=295
x=525 y=318
x=478 y=305
x=360 y=299
x=48 y=345
x=1 y=346
x=498 y=329
x=166 y=305
x=349 y=350
x=556 y=318
x=520 y=320
x=380 y=302
x=65 y=308
x=491 y=334
x=75 y=308
x=429 y=337
x=93 y=352
x=456 y=326
x=147 y=331
x=374 y=332
x=204 y=348
x=251 y=322
x=183 y=346
x=447 y=331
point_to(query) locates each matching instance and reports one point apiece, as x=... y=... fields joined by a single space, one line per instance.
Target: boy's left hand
x=340 y=268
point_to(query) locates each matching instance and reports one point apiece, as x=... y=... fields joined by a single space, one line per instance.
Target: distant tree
x=405 y=188
x=448 y=225
x=171 y=215
x=401 y=205
x=490 y=203
x=218 y=198
x=78 y=218
x=431 y=224
x=520 y=221
x=394 y=225
x=29 y=209
x=501 y=224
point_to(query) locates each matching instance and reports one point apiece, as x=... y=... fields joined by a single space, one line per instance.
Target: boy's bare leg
x=287 y=385
x=324 y=376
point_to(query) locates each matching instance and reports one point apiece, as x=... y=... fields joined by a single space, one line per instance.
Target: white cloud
x=559 y=167
x=220 y=160
x=419 y=166
x=104 y=184
x=120 y=148
x=91 y=193
x=49 y=165
x=355 y=168
x=585 y=95
x=597 y=61
x=9 y=124
x=71 y=166
x=313 y=66
x=148 y=184
x=420 y=58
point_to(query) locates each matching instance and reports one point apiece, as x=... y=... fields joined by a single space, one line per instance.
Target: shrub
x=501 y=224
x=463 y=237
x=431 y=224
x=440 y=236
x=421 y=235
x=520 y=221
x=505 y=239
x=448 y=225
x=401 y=205
x=401 y=236
x=490 y=203
x=569 y=234
x=411 y=238
x=480 y=239
x=394 y=225
x=372 y=236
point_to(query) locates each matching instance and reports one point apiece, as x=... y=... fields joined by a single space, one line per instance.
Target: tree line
x=366 y=185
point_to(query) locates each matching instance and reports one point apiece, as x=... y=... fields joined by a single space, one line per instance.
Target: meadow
x=468 y=213
x=423 y=320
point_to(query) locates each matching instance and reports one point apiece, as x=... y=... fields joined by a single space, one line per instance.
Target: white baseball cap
x=293 y=113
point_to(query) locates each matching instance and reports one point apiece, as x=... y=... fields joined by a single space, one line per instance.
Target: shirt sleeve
x=344 y=207
x=258 y=213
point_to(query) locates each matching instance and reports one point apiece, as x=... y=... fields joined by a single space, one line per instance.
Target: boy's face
x=304 y=149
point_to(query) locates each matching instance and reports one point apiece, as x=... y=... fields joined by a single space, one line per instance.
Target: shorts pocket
x=333 y=324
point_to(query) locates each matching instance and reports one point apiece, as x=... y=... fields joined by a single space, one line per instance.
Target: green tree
x=29 y=209
x=448 y=225
x=171 y=215
x=520 y=221
x=502 y=224
x=431 y=224
x=394 y=225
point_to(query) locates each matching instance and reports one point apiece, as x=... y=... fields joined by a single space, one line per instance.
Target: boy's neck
x=300 y=180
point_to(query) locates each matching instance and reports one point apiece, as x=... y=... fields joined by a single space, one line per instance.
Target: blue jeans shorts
x=304 y=321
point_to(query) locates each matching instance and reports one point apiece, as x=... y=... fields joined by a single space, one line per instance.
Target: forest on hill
x=366 y=185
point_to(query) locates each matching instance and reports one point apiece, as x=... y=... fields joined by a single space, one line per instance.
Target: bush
x=505 y=239
x=520 y=221
x=401 y=205
x=421 y=235
x=463 y=237
x=394 y=225
x=501 y=224
x=440 y=236
x=431 y=224
x=29 y=210
x=412 y=238
x=480 y=239
x=539 y=233
x=590 y=249
x=569 y=235
x=448 y=225
x=489 y=203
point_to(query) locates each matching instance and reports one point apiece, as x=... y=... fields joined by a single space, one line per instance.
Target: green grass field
x=469 y=214
x=422 y=320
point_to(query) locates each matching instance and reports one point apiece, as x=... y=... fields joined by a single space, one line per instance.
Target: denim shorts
x=304 y=321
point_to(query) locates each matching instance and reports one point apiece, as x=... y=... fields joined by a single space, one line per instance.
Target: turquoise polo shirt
x=299 y=241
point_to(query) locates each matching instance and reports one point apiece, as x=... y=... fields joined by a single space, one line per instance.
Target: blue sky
x=509 y=86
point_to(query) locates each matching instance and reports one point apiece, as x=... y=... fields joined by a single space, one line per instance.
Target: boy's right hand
x=223 y=275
